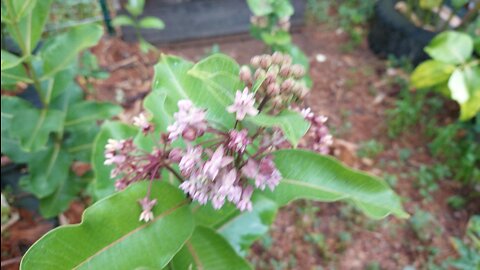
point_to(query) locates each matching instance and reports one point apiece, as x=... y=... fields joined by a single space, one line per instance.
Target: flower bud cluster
x=264 y=22
x=319 y=138
x=281 y=81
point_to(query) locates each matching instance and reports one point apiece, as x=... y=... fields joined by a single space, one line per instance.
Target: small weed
x=423 y=225
x=370 y=149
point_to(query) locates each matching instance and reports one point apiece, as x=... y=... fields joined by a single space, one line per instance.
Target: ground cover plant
x=53 y=131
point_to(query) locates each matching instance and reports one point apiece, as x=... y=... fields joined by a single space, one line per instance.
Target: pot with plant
x=404 y=28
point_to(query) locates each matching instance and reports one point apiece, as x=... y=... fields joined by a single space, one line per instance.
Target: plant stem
x=178 y=176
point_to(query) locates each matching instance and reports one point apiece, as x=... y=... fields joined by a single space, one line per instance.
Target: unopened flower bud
x=259 y=73
x=245 y=74
x=270 y=77
x=265 y=61
x=287 y=60
x=273 y=89
x=284 y=23
x=277 y=58
x=285 y=71
x=277 y=101
x=287 y=85
x=298 y=71
x=175 y=155
x=303 y=92
x=255 y=61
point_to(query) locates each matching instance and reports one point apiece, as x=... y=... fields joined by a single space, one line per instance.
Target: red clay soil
x=352 y=90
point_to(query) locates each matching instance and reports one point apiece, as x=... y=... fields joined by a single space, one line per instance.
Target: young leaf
x=61 y=50
x=293 y=125
x=60 y=199
x=123 y=20
x=173 y=78
x=111 y=236
x=151 y=22
x=135 y=7
x=308 y=175
x=9 y=60
x=103 y=185
x=20 y=7
x=260 y=7
x=431 y=73
x=464 y=85
x=451 y=47
x=14 y=75
x=208 y=250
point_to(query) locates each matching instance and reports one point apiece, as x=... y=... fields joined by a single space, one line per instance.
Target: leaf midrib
x=162 y=215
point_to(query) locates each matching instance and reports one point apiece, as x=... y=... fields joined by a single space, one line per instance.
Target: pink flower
x=189 y=122
x=190 y=160
x=216 y=162
x=142 y=122
x=228 y=188
x=243 y=104
x=147 y=206
x=238 y=140
x=245 y=203
x=264 y=173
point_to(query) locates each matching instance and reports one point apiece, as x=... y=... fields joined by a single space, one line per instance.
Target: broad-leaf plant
x=54 y=136
x=454 y=71
x=201 y=174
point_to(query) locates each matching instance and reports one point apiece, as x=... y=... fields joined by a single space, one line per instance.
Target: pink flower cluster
x=226 y=165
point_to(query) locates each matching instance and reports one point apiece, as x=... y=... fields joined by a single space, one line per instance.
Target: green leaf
x=86 y=112
x=277 y=38
x=60 y=199
x=111 y=236
x=457 y=4
x=47 y=169
x=308 y=175
x=242 y=230
x=210 y=84
x=151 y=22
x=430 y=4
x=30 y=27
x=282 y=8
x=61 y=50
x=10 y=146
x=293 y=125
x=103 y=185
x=260 y=7
x=451 y=47
x=464 y=85
x=9 y=60
x=431 y=73
x=14 y=75
x=29 y=125
x=135 y=7
x=123 y=20
x=153 y=103
x=20 y=7
x=208 y=250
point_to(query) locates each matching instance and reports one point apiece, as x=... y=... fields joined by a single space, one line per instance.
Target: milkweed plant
x=202 y=172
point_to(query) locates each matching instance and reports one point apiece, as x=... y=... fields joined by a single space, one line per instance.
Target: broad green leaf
x=63 y=81
x=112 y=237
x=14 y=75
x=123 y=20
x=151 y=22
x=277 y=38
x=242 y=230
x=20 y=7
x=86 y=112
x=293 y=125
x=464 y=85
x=135 y=7
x=210 y=84
x=282 y=8
x=61 y=50
x=30 y=27
x=451 y=47
x=431 y=73
x=207 y=250
x=29 y=125
x=9 y=60
x=60 y=199
x=308 y=175
x=260 y=7
x=103 y=185
x=154 y=104
x=10 y=146
x=47 y=169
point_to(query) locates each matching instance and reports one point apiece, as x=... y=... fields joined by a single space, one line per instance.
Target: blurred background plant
x=134 y=9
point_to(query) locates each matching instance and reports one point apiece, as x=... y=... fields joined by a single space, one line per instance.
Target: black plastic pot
x=391 y=33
